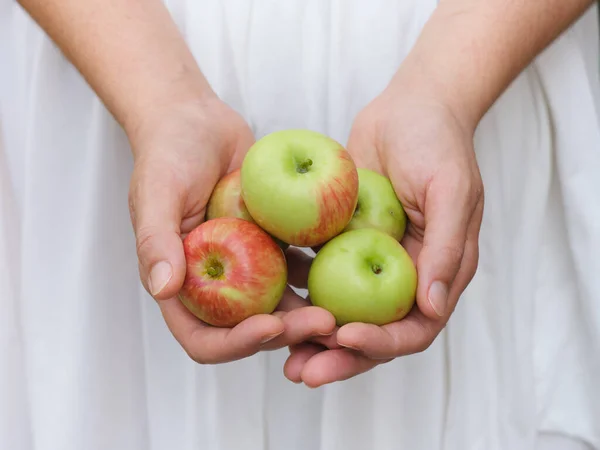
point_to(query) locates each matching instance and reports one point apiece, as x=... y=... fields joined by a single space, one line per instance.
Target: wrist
x=444 y=66
x=186 y=112
x=469 y=52
x=152 y=104
x=418 y=82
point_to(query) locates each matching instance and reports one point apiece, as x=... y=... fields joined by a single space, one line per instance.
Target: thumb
x=156 y=205
x=448 y=211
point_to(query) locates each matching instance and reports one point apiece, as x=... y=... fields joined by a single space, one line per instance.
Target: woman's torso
x=92 y=365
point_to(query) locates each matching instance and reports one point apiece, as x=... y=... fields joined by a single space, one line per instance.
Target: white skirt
x=86 y=362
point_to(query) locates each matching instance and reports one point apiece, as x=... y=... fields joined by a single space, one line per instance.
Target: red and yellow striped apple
x=226 y=201
x=300 y=186
x=234 y=271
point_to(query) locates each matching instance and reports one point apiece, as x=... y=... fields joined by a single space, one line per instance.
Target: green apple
x=364 y=276
x=378 y=206
x=300 y=186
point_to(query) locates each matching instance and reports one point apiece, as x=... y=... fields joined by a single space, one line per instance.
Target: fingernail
x=160 y=275
x=326 y=334
x=294 y=381
x=271 y=337
x=438 y=297
x=349 y=347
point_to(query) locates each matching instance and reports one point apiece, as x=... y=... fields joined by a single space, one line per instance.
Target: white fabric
x=86 y=362
x=553 y=441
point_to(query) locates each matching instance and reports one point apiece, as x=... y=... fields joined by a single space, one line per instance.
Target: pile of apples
x=300 y=188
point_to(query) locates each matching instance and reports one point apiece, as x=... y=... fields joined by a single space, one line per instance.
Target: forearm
x=471 y=50
x=129 y=51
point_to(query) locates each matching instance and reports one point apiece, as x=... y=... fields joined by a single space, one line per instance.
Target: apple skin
x=378 y=206
x=226 y=201
x=234 y=271
x=300 y=186
x=363 y=275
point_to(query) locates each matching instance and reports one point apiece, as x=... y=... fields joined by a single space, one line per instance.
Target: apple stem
x=304 y=166
x=214 y=271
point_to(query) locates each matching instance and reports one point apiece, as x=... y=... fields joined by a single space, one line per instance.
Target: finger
x=470 y=261
x=416 y=332
x=156 y=205
x=413 y=334
x=298 y=267
x=212 y=345
x=329 y=341
x=325 y=336
x=449 y=206
x=299 y=355
x=335 y=365
x=301 y=321
x=412 y=244
x=191 y=222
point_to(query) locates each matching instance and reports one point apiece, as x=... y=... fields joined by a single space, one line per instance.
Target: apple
x=234 y=271
x=363 y=275
x=378 y=206
x=300 y=186
x=226 y=201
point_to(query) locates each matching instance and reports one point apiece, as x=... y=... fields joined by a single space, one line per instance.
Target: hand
x=426 y=150
x=180 y=153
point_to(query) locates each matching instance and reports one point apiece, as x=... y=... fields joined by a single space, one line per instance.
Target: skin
x=234 y=271
x=469 y=51
x=321 y=186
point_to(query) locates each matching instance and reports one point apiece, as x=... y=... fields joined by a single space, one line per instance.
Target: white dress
x=86 y=362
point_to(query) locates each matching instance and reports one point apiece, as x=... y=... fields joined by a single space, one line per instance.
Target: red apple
x=226 y=201
x=234 y=271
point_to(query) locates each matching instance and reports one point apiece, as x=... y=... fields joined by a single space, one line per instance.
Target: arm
x=471 y=50
x=133 y=56
x=419 y=133
x=129 y=51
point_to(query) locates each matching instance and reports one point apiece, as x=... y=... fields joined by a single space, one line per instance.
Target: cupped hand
x=181 y=151
x=422 y=144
